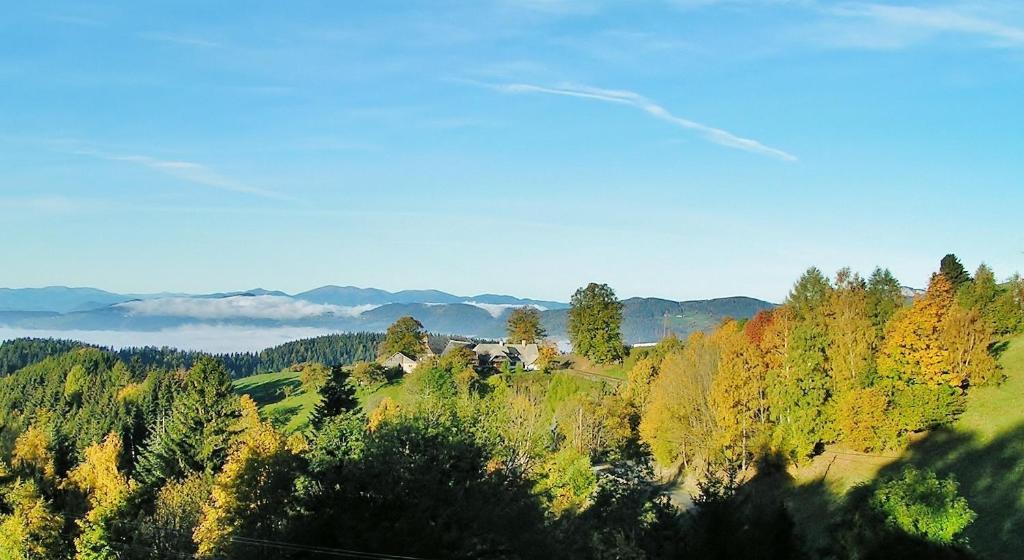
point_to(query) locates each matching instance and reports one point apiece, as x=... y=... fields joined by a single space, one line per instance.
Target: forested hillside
x=336 y=349
x=696 y=454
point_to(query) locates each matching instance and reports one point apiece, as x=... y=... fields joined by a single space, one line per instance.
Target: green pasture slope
x=984 y=450
x=289 y=412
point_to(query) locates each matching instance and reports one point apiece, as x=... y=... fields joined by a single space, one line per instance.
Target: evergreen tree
x=195 y=437
x=884 y=297
x=594 y=324
x=809 y=294
x=336 y=396
x=954 y=271
x=799 y=394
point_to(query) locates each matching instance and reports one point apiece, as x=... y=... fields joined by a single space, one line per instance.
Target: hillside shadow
x=997 y=348
x=991 y=477
x=272 y=391
x=281 y=416
x=990 y=473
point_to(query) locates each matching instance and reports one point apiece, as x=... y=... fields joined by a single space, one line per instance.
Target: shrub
x=918 y=503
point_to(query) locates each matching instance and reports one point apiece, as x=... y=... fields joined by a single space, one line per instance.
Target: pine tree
x=195 y=437
x=336 y=396
x=885 y=297
x=954 y=271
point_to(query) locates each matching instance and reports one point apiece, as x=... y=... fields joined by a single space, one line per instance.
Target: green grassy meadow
x=289 y=412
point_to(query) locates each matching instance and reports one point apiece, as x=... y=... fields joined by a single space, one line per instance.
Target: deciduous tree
x=852 y=338
x=594 y=323
x=679 y=424
x=407 y=336
x=251 y=496
x=524 y=326
x=31 y=530
x=739 y=393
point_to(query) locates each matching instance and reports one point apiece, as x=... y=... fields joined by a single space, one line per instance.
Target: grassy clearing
x=370 y=397
x=582 y=366
x=280 y=397
x=984 y=450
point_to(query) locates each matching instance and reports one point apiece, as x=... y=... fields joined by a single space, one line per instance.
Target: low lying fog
x=208 y=338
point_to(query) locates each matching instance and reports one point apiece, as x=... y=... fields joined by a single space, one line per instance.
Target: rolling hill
x=342 y=309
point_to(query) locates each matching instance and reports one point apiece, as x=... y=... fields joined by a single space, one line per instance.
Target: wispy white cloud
x=191 y=172
x=497 y=309
x=896 y=26
x=179 y=39
x=624 y=97
x=279 y=308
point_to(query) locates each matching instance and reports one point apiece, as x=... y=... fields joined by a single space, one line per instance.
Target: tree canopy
x=594 y=323
x=406 y=335
x=524 y=325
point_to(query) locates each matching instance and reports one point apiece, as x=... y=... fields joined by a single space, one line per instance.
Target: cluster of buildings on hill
x=489 y=355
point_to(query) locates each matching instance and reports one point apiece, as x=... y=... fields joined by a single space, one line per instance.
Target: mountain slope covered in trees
x=104 y=456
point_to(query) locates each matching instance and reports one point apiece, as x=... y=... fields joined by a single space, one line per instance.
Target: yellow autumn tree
x=863 y=420
x=934 y=342
x=637 y=389
x=98 y=475
x=776 y=337
x=913 y=347
x=106 y=490
x=738 y=396
x=966 y=338
x=31 y=530
x=386 y=410
x=851 y=333
x=253 y=489
x=679 y=423
x=33 y=453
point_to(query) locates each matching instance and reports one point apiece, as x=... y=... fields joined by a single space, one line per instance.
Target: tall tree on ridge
x=884 y=297
x=407 y=336
x=594 y=323
x=954 y=271
x=524 y=326
x=809 y=294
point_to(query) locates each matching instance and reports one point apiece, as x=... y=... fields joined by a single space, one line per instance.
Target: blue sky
x=681 y=149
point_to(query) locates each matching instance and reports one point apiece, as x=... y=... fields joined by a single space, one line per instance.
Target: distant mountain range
x=340 y=308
